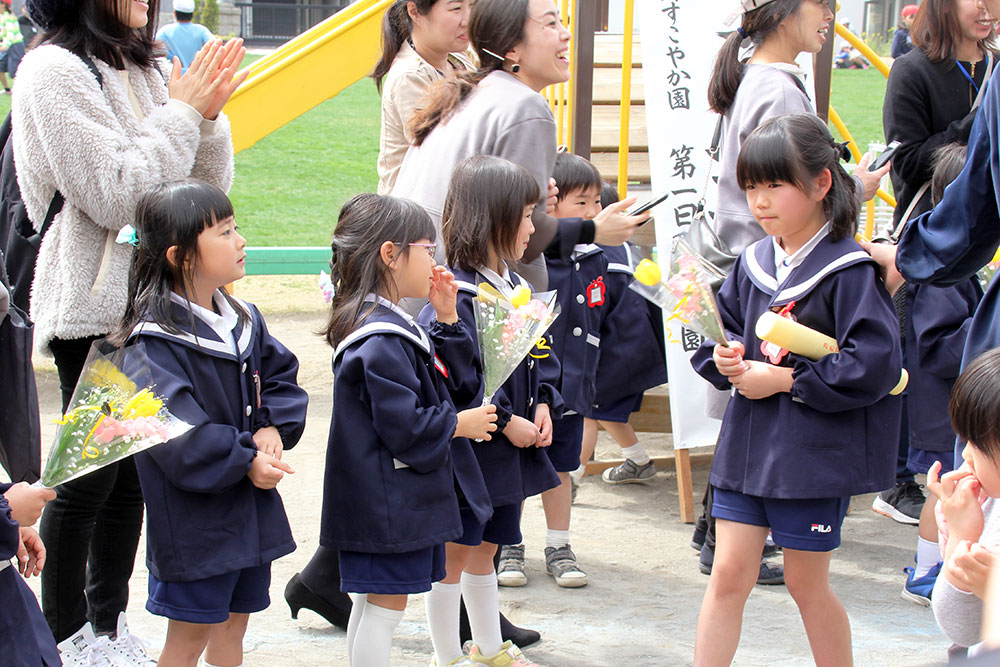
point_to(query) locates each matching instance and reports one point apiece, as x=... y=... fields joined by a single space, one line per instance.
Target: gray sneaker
x=560 y=562
x=629 y=472
x=510 y=571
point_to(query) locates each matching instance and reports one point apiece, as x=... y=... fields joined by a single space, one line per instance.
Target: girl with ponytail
x=799 y=437
x=769 y=83
x=423 y=41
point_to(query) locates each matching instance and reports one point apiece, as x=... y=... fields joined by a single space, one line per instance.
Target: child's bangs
x=211 y=203
x=767 y=157
x=415 y=224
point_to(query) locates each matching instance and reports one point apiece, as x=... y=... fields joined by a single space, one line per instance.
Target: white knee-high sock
x=442 y=604
x=928 y=555
x=358 y=602
x=373 y=641
x=482 y=602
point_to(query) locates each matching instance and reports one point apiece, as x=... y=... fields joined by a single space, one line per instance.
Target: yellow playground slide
x=305 y=71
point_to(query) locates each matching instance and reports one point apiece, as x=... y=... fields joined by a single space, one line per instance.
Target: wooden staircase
x=605 y=126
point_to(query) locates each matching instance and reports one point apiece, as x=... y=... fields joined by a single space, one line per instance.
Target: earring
x=515 y=68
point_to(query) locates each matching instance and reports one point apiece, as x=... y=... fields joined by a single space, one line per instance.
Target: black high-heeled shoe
x=299 y=596
x=520 y=637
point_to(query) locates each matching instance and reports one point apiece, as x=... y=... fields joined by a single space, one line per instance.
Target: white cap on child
x=744 y=7
x=186 y=6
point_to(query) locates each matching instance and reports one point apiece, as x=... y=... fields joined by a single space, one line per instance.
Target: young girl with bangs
x=215 y=519
x=399 y=461
x=799 y=437
x=487 y=224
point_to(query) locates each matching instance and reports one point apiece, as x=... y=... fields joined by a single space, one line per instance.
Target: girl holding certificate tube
x=800 y=436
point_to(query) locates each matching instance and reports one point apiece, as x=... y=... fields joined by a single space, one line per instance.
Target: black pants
x=91 y=530
x=706 y=521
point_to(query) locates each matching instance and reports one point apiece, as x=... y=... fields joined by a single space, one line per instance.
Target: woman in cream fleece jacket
x=103 y=145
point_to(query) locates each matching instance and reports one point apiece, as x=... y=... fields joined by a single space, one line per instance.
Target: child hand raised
x=960 y=496
x=443 y=295
x=477 y=423
x=266 y=471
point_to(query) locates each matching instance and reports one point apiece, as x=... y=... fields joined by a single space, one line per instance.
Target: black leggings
x=91 y=530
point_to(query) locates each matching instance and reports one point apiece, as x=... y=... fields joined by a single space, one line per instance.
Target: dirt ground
x=645 y=590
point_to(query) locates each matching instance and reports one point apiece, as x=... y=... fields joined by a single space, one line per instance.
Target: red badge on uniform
x=595 y=292
x=438 y=364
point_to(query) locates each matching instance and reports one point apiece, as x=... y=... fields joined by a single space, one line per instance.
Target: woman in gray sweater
x=498 y=110
x=102 y=142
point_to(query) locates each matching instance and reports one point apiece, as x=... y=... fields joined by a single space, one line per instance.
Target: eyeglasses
x=429 y=247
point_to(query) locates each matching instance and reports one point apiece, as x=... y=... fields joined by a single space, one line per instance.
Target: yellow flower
x=520 y=297
x=648 y=273
x=143 y=404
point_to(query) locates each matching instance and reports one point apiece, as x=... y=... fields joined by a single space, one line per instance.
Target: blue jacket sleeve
x=959 y=236
x=941 y=318
x=728 y=301
x=211 y=457
x=867 y=331
x=10 y=537
x=283 y=402
x=455 y=346
x=416 y=431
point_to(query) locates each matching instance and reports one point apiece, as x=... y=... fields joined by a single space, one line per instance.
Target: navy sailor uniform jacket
x=632 y=347
x=25 y=638
x=205 y=517
x=395 y=477
x=511 y=473
x=576 y=333
x=836 y=433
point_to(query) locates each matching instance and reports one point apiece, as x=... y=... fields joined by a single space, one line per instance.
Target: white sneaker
x=85 y=649
x=129 y=650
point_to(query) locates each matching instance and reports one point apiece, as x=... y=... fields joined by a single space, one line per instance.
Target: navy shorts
x=921 y=460
x=567 y=441
x=391 y=574
x=504 y=527
x=812 y=524
x=211 y=600
x=617 y=411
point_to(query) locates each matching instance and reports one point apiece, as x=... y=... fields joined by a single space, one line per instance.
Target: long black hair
x=495 y=27
x=357 y=270
x=728 y=70
x=172 y=214
x=484 y=207
x=397 y=26
x=795 y=148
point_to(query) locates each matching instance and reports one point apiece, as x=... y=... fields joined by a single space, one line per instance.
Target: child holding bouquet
x=487 y=224
x=215 y=519
x=399 y=467
x=800 y=436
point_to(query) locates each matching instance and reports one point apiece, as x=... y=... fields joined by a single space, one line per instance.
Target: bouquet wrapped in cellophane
x=508 y=327
x=114 y=413
x=686 y=295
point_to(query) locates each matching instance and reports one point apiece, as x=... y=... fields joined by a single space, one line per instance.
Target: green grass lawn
x=291 y=184
x=857 y=97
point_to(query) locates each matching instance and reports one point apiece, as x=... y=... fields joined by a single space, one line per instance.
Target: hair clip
x=743 y=33
x=843 y=150
x=127 y=236
x=487 y=51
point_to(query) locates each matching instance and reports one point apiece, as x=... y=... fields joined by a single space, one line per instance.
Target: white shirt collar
x=784 y=263
x=501 y=282
x=222 y=323
x=583 y=248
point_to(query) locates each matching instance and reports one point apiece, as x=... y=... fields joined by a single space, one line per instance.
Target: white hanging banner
x=679 y=44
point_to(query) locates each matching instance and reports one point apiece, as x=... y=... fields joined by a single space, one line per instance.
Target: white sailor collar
x=391 y=319
x=219 y=334
x=827 y=257
x=629 y=265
